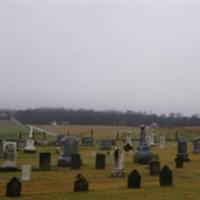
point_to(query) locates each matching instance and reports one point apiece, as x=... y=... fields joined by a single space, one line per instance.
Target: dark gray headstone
x=166 y=178
x=154 y=168
x=196 y=145
x=13 y=188
x=100 y=161
x=75 y=161
x=179 y=161
x=45 y=160
x=106 y=145
x=182 y=150
x=81 y=184
x=87 y=141
x=134 y=179
x=1 y=148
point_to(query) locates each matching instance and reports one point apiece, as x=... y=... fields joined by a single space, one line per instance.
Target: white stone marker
x=26 y=172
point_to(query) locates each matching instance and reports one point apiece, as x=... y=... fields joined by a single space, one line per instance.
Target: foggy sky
x=101 y=54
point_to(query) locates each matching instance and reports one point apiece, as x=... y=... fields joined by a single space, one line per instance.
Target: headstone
x=118 y=163
x=196 y=145
x=179 y=161
x=69 y=146
x=106 y=145
x=21 y=145
x=75 y=161
x=26 y=172
x=162 y=142
x=166 y=178
x=134 y=179
x=1 y=148
x=87 y=141
x=182 y=150
x=128 y=146
x=143 y=154
x=154 y=168
x=81 y=184
x=9 y=155
x=13 y=188
x=45 y=161
x=100 y=161
x=30 y=143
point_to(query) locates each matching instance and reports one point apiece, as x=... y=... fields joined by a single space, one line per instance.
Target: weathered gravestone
x=45 y=161
x=179 y=161
x=134 y=179
x=26 y=172
x=154 y=168
x=162 y=142
x=13 y=188
x=128 y=146
x=182 y=150
x=69 y=146
x=118 y=163
x=9 y=156
x=75 y=161
x=106 y=145
x=143 y=154
x=166 y=178
x=30 y=143
x=196 y=145
x=87 y=141
x=81 y=184
x=100 y=161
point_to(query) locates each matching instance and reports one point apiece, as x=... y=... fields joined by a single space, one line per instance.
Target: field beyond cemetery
x=58 y=183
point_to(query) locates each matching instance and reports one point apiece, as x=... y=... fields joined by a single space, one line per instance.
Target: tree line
x=92 y=117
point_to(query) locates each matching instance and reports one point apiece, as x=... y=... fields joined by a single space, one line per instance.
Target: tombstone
x=134 y=179
x=45 y=161
x=182 y=150
x=9 y=155
x=106 y=145
x=30 y=143
x=166 y=178
x=87 y=141
x=1 y=148
x=196 y=145
x=13 y=188
x=179 y=161
x=26 y=172
x=100 y=161
x=118 y=163
x=75 y=161
x=128 y=146
x=69 y=146
x=81 y=184
x=21 y=145
x=154 y=168
x=162 y=142
x=143 y=154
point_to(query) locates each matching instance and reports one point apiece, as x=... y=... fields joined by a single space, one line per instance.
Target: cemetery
x=75 y=167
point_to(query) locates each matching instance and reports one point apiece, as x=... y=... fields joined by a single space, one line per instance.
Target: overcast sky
x=101 y=54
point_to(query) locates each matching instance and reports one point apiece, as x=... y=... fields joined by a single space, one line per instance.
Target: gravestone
x=162 y=142
x=196 y=145
x=30 y=143
x=118 y=163
x=128 y=146
x=13 y=188
x=87 y=141
x=182 y=150
x=81 y=184
x=45 y=161
x=26 y=172
x=166 y=178
x=154 y=168
x=100 y=161
x=134 y=179
x=179 y=161
x=75 y=161
x=21 y=145
x=106 y=145
x=9 y=155
x=69 y=146
x=143 y=154
x=1 y=148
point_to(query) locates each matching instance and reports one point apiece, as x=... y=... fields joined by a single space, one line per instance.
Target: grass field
x=58 y=184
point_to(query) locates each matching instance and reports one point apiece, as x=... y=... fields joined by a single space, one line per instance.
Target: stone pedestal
x=30 y=146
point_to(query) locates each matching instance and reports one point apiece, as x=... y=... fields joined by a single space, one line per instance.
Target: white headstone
x=9 y=154
x=30 y=145
x=162 y=142
x=26 y=172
